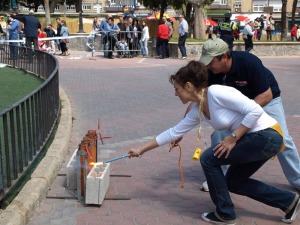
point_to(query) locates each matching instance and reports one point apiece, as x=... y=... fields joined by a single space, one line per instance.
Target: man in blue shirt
x=113 y=31
x=183 y=31
x=104 y=34
x=13 y=30
x=245 y=72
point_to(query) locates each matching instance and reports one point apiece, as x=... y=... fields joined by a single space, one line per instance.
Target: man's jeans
x=288 y=158
x=249 y=154
x=181 y=44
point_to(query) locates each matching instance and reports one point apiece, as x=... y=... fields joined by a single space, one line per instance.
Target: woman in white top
x=255 y=138
x=144 y=40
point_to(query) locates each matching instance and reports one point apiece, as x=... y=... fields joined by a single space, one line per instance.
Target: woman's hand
x=135 y=152
x=225 y=147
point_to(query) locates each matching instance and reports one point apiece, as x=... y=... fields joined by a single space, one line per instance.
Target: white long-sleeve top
x=228 y=109
x=145 y=33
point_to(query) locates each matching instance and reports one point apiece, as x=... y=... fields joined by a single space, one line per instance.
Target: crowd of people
x=28 y=26
x=253 y=30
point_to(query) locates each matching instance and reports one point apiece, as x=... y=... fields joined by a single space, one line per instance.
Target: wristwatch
x=233 y=135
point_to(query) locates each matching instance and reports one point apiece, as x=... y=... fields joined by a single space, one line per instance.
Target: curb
x=20 y=210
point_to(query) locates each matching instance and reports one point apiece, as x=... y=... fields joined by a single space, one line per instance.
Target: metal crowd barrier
x=26 y=126
x=125 y=44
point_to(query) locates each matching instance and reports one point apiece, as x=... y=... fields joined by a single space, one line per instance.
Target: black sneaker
x=213 y=219
x=291 y=216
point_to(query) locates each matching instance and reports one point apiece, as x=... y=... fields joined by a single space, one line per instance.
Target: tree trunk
x=199 y=28
x=283 y=20
x=53 y=5
x=294 y=10
x=47 y=12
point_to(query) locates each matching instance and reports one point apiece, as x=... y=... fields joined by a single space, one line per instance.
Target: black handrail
x=26 y=125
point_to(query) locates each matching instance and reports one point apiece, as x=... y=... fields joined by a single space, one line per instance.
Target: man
x=225 y=30
x=183 y=31
x=13 y=30
x=113 y=30
x=58 y=29
x=122 y=27
x=248 y=33
x=31 y=26
x=169 y=25
x=262 y=26
x=104 y=34
x=245 y=72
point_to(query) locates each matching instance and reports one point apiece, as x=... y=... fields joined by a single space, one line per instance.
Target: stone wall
x=194 y=49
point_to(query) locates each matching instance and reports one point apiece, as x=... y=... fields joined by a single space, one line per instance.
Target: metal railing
x=125 y=43
x=26 y=126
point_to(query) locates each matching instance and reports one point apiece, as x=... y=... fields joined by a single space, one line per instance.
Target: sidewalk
x=135 y=101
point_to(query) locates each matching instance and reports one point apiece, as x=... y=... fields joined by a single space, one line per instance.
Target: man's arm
x=264 y=98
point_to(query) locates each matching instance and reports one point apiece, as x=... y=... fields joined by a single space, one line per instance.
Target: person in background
x=64 y=32
x=270 y=28
x=104 y=35
x=144 y=40
x=31 y=26
x=183 y=31
x=13 y=31
x=129 y=35
x=225 y=30
x=248 y=33
x=50 y=34
x=236 y=31
x=170 y=26
x=262 y=26
x=58 y=29
x=95 y=25
x=257 y=26
x=122 y=26
x=162 y=39
x=113 y=31
x=298 y=33
x=137 y=34
x=255 y=139
x=294 y=32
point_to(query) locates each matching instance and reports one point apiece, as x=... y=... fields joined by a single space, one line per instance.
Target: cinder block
x=97 y=183
x=72 y=172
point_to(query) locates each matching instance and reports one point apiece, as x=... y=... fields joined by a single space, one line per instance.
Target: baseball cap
x=212 y=48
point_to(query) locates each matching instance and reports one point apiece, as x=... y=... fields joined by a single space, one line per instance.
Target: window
x=277 y=5
x=223 y=2
x=113 y=2
x=238 y=5
x=71 y=7
x=258 y=5
x=86 y=6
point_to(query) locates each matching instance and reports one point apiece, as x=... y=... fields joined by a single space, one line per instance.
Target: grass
x=15 y=84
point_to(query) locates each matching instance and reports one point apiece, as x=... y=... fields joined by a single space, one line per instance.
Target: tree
x=283 y=20
x=162 y=5
x=47 y=11
x=199 y=26
x=294 y=10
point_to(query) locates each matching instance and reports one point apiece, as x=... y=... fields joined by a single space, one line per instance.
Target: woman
x=255 y=139
x=162 y=39
x=64 y=32
x=137 y=34
x=270 y=28
x=144 y=40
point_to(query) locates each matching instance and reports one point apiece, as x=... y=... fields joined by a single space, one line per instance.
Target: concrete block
x=97 y=183
x=72 y=172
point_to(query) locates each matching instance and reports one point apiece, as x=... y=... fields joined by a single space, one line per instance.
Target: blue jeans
x=289 y=158
x=249 y=154
x=144 y=47
x=181 y=44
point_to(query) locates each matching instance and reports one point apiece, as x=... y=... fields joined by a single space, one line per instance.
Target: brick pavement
x=135 y=101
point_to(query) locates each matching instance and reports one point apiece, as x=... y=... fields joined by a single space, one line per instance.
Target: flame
x=95 y=163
